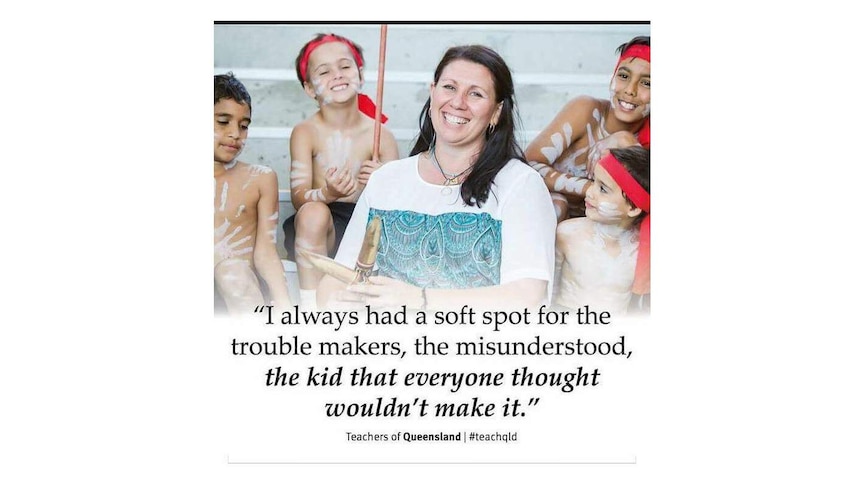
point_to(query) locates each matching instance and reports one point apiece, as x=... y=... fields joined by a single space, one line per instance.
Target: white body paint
x=569 y=165
x=223 y=197
x=314 y=195
x=609 y=210
x=338 y=149
x=599 y=267
x=225 y=248
x=302 y=243
x=273 y=232
x=254 y=172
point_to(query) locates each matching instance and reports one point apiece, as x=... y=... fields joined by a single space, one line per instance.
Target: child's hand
x=620 y=139
x=368 y=167
x=596 y=153
x=339 y=182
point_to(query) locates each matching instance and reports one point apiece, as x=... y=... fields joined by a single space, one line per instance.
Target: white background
x=113 y=368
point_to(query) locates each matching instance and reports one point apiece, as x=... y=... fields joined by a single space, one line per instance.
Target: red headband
x=366 y=105
x=640 y=198
x=639 y=51
x=303 y=63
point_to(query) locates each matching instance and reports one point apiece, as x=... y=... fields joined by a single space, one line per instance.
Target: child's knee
x=313 y=219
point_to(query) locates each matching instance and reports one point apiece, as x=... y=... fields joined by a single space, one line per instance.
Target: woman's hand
x=384 y=292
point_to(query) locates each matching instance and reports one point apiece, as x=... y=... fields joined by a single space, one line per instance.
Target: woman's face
x=463 y=104
x=630 y=90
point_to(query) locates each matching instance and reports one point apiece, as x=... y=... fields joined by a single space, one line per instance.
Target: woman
x=465 y=219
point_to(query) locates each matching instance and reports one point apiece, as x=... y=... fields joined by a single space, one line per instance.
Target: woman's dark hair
x=635 y=159
x=227 y=86
x=500 y=144
x=639 y=40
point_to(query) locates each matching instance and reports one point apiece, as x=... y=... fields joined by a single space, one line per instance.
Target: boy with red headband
x=565 y=152
x=603 y=258
x=330 y=153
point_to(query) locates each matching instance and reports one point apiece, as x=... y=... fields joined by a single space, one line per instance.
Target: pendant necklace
x=451 y=179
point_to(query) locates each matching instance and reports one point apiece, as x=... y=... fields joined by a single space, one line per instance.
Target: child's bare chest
x=337 y=148
x=602 y=264
x=236 y=199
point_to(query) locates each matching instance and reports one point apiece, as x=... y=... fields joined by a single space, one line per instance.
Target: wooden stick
x=328 y=266
x=364 y=264
x=379 y=111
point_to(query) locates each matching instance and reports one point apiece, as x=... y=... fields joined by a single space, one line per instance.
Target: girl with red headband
x=330 y=153
x=566 y=151
x=603 y=258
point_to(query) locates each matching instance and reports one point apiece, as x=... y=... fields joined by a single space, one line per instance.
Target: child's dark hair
x=317 y=38
x=639 y=40
x=228 y=86
x=635 y=159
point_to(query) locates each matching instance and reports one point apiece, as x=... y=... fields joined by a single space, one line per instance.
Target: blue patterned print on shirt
x=452 y=250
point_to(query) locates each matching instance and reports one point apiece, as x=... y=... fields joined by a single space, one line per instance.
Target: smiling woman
x=464 y=219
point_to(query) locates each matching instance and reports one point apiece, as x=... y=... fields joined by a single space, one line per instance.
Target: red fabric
x=640 y=198
x=367 y=107
x=643 y=134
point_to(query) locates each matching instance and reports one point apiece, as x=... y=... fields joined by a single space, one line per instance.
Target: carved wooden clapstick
x=368 y=252
x=364 y=263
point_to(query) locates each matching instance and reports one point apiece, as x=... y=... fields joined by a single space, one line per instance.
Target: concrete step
x=285 y=104
x=562 y=48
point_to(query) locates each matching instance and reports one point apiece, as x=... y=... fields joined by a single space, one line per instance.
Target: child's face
x=605 y=202
x=630 y=91
x=230 y=129
x=332 y=74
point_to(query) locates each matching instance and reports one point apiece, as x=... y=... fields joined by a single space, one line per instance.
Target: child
x=603 y=258
x=565 y=152
x=246 y=209
x=330 y=153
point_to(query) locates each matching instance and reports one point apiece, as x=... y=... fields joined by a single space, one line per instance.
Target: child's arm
x=266 y=259
x=620 y=139
x=388 y=152
x=569 y=126
x=338 y=184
